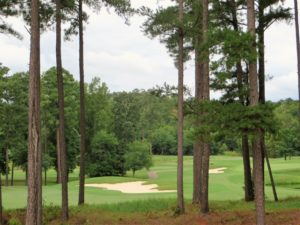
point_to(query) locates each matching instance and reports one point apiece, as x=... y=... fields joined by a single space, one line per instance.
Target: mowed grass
x=223 y=187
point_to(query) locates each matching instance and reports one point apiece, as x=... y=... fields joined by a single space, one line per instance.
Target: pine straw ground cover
x=161 y=212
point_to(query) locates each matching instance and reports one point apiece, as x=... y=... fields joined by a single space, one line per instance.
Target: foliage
x=138 y=156
x=104 y=158
x=229 y=119
x=286 y=142
x=104 y=153
x=49 y=116
x=13 y=101
x=163 y=141
x=14 y=221
x=8 y=8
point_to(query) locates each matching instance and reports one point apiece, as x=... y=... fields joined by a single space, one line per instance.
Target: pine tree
x=34 y=202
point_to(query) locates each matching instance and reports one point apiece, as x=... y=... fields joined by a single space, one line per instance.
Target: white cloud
x=282 y=87
x=125 y=58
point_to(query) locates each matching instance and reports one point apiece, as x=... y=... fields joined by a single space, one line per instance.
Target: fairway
x=223 y=186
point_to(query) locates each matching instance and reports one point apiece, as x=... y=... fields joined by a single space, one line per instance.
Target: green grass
x=223 y=187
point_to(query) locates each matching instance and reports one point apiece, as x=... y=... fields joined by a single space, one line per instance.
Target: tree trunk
x=34 y=200
x=271 y=175
x=26 y=177
x=205 y=96
x=180 y=197
x=249 y=193
x=197 y=159
x=262 y=95
x=197 y=162
x=1 y=205
x=45 y=175
x=60 y=88
x=261 y=78
x=12 y=174
x=58 y=170
x=82 y=110
x=257 y=155
x=6 y=166
x=297 y=48
x=205 y=177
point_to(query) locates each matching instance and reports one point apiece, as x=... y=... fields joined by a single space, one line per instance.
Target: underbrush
x=153 y=209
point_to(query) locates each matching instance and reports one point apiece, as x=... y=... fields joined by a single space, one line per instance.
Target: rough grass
x=161 y=212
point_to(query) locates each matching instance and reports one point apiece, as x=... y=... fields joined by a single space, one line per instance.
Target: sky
x=125 y=59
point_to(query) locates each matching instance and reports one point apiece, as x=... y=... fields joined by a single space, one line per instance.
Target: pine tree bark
x=82 y=109
x=205 y=96
x=180 y=197
x=270 y=174
x=249 y=192
x=34 y=200
x=60 y=89
x=197 y=158
x=1 y=204
x=58 y=169
x=6 y=166
x=12 y=174
x=261 y=78
x=257 y=155
x=297 y=48
x=45 y=175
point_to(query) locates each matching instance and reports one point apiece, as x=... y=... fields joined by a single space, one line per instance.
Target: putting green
x=223 y=186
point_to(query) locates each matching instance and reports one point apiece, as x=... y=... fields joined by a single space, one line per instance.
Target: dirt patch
x=291 y=217
x=166 y=217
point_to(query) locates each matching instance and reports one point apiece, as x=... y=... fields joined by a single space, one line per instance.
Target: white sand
x=136 y=187
x=217 y=170
x=139 y=187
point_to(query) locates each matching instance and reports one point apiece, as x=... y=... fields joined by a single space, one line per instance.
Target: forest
x=67 y=142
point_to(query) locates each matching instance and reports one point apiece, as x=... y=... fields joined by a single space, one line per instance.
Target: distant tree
x=138 y=156
x=104 y=155
x=14 y=130
x=49 y=117
x=103 y=159
x=286 y=142
x=163 y=140
x=126 y=115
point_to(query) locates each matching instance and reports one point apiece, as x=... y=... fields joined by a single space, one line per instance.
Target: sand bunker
x=217 y=170
x=137 y=187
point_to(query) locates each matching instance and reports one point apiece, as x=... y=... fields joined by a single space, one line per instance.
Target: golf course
x=140 y=112
x=227 y=186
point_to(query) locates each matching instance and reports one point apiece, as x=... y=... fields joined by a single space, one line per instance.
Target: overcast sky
x=124 y=58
